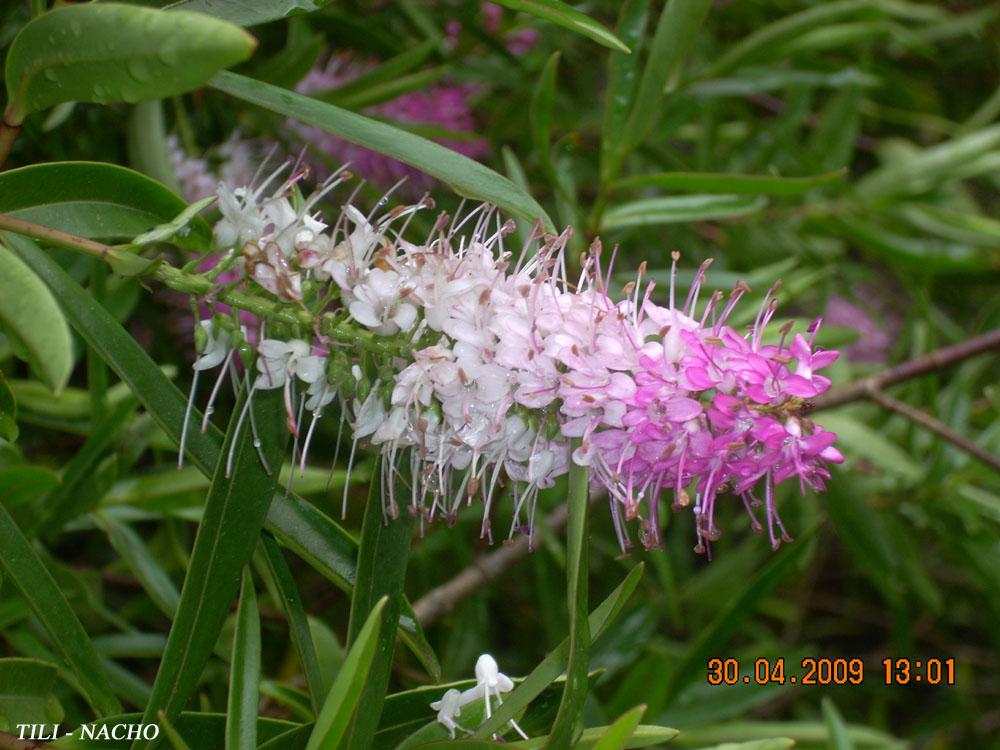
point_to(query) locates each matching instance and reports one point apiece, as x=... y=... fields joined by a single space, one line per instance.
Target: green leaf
x=300 y=526
x=136 y=555
x=390 y=70
x=681 y=209
x=26 y=693
x=861 y=441
x=177 y=225
x=839 y=738
x=201 y=731
x=622 y=81
x=731 y=617
x=619 y=733
x=467 y=177
x=567 y=16
x=739 y=184
x=28 y=573
x=382 y=556
x=68 y=500
x=22 y=484
x=244 y=671
x=234 y=515
x=920 y=172
x=554 y=664
x=568 y=722
x=298 y=625
x=345 y=695
x=675 y=35
x=8 y=411
x=642 y=736
x=30 y=315
x=763 y=42
x=93 y=200
x=775 y=743
x=249 y=12
x=540 y=112
x=106 y=52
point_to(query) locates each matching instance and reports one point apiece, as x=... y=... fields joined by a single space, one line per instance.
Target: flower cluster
x=501 y=372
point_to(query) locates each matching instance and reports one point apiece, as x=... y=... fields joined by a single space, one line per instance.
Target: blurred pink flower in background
x=445 y=105
x=874 y=339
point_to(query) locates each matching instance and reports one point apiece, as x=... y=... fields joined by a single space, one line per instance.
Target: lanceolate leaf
x=568 y=721
x=681 y=208
x=344 y=698
x=742 y=184
x=300 y=526
x=23 y=568
x=382 y=556
x=106 y=52
x=244 y=671
x=568 y=16
x=554 y=664
x=467 y=177
x=30 y=315
x=234 y=515
x=249 y=12
x=94 y=200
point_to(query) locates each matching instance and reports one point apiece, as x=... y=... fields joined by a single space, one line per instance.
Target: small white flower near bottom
x=490 y=683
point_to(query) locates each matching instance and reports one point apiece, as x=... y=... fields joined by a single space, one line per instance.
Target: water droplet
x=50 y=74
x=168 y=53
x=74 y=28
x=184 y=231
x=138 y=70
x=209 y=411
x=256 y=443
x=100 y=93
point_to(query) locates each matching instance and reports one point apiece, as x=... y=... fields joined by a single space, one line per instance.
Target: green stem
x=97 y=371
x=568 y=723
x=326 y=324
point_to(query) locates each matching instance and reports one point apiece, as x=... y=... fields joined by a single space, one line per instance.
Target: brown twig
x=8 y=134
x=56 y=237
x=924 y=419
x=935 y=360
x=441 y=600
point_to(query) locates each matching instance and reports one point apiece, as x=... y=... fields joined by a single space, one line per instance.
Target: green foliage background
x=871 y=129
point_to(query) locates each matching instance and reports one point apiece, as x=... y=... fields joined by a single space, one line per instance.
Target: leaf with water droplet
x=249 y=12
x=109 y=52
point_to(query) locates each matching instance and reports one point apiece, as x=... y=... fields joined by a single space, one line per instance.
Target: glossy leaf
x=244 y=671
x=94 y=200
x=108 y=52
x=739 y=184
x=467 y=177
x=300 y=526
x=30 y=315
x=298 y=626
x=839 y=738
x=249 y=12
x=136 y=555
x=642 y=736
x=234 y=514
x=8 y=411
x=554 y=664
x=68 y=501
x=618 y=734
x=383 y=552
x=568 y=724
x=569 y=17
x=23 y=568
x=623 y=79
x=27 y=693
x=342 y=702
x=676 y=32
x=682 y=208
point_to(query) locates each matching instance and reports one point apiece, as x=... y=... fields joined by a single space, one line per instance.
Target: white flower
x=217 y=346
x=449 y=708
x=280 y=361
x=378 y=303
